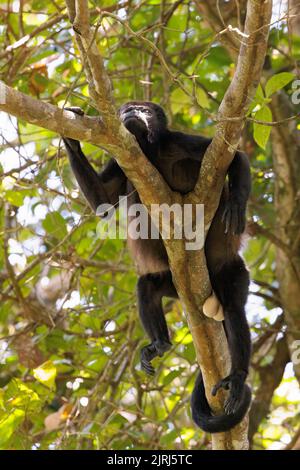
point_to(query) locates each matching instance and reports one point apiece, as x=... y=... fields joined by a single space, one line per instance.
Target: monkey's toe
x=147 y=367
x=224 y=383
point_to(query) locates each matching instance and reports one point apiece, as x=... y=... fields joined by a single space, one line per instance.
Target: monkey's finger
x=240 y=227
x=228 y=221
x=234 y=399
x=147 y=367
x=234 y=219
x=242 y=221
x=226 y=217
x=224 y=383
x=231 y=405
x=75 y=109
x=215 y=389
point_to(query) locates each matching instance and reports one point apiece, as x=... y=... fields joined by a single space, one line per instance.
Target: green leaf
x=172 y=375
x=179 y=100
x=278 y=81
x=8 y=424
x=2 y=399
x=261 y=133
x=15 y=198
x=259 y=93
x=46 y=374
x=19 y=396
x=55 y=225
x=259 y=101
x=202 y=98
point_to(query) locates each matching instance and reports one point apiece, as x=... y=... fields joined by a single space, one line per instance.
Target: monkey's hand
x=235 y=384
x=234 y=215
x=75 y=110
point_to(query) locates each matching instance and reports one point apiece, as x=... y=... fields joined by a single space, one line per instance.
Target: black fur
x=203 y=416
x=178 y=158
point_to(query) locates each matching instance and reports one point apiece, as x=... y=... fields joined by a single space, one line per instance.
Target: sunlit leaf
x=46 y=374
x=8 y=424
x=278 y=81
x=202 y=98
x=261 y=132
x=18 y=395
x=55 y=225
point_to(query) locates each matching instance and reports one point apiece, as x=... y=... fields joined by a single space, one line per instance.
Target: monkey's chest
x=180 y=175
x=143 y=240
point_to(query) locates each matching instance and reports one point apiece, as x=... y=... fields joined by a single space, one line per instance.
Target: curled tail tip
x=202 y=414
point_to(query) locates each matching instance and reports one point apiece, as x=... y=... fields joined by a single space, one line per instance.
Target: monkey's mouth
x=134 y=115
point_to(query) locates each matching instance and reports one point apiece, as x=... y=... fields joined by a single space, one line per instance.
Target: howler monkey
x=178 y=156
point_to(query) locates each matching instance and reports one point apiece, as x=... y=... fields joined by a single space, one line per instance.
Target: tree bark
x=286 y=151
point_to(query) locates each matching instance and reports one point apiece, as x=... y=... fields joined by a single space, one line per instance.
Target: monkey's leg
x=151 y=288
x=231 y=287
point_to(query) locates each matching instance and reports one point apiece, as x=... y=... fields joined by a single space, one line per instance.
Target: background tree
x=69 y=364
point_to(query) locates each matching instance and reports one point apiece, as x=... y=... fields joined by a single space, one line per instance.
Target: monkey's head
x=144 y=120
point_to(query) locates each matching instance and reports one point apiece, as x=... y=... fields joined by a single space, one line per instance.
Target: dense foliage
x=70 y=336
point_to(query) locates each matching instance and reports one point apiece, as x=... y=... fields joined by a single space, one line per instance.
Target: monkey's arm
x=98 y=189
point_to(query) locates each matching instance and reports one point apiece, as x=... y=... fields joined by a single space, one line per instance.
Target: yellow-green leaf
x=8 y=424
x=261 y=132
x=55 y=225
x=202 y=98
x=18 y=395
x=46 y=374
x=278 y=81
x=179 y=100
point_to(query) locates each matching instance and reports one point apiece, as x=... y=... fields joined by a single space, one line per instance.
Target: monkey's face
x=143 y=119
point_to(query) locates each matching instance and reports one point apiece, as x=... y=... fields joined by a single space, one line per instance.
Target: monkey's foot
x=213 y=309
x=235 y=384
x=149 y=352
